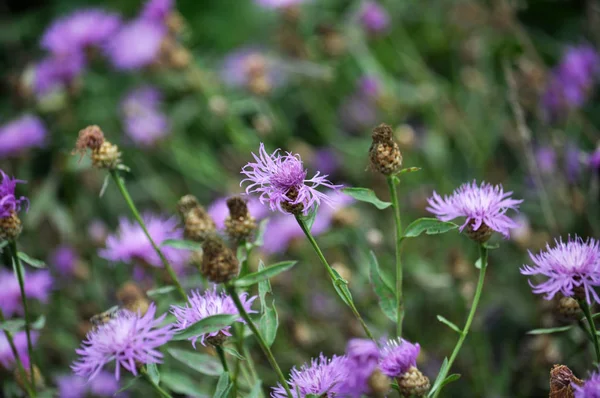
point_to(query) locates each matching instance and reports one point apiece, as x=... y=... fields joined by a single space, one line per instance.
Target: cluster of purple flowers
x=20 y=134
x=38 y=285
x=142 y=117
x=103 y=385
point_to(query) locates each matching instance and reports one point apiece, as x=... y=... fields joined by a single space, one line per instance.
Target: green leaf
x=39 y=323
x=491 y=246
x=453 y=377
x=341 y=287
x=260 y=233
x=182 y=244
x=202 y=363
x=12 y=325
x=309 y=219
x=264 y=287
x=263 y=274
x=233 y=352
x=209 y=324
x=366 y=195
x=181 y=383
x=223 y=386
x=31 y=261
x=256 y=390
x=153 y=373
x=385 y=293
x=431 y=226
x=104 y=185
x=3 y=244
x=449 y=324
x=550 y=330
x=438 y=380
x=127 y=385
x=268 y=324
x=160 y=291
x=408 y=170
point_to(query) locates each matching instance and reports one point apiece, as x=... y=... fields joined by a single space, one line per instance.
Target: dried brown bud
x=187 y=203
x=219 y=264
x=384 y=153
x=175 y=23
x=240 y=225
x=106 y=157
x=413 y=383
x=481 y=235
x=379 y=384
x=217 y=340
x=10 y=227
x=561 y=379
x=38 y=379
x=133 y=298
x=292 y=208
x=198 y=225
x=568 y=309
x=91 y=138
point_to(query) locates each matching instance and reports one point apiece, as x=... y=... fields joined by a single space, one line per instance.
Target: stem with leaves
x=221 y=354
x=26 y=382
x=392 y=181
x=463 y=333
x=136 y=214
x=338 y=283
x=588 y=315
x=158 y=388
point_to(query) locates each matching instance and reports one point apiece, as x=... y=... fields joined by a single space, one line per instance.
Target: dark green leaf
x=182 y=244
x=153 y=373
x=453 y=377
x=264 y=287
x=438 y=381
x=209 y=324
x=3 y=244
x=366 y=195
x=263 y=274
x=309 y=219
x=260 y=233
x=223 y=386
x=449 y=324
x=408 y=170
x=431 y=226
x=31 y=261
x=385 y=293
x=269 y=322
x=160 y=291
x=202 y=363
x=550 y=330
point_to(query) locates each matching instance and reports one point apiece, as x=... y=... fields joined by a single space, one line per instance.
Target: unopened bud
x=379 y=384
x=106 y=157
x=10 y=227
x=186 y=204
x=133 y=298
x=413 y=383
x=219 y=264
x=217 y=340
x=568 y=308
x=384 y=152
x=239 y=225
x=91 y=138
x=198 y=225
x=38 y=379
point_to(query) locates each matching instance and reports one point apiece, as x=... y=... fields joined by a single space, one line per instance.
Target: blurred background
x=502 y=91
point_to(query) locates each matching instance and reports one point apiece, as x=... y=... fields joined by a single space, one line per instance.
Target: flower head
x=157 y=10
x=374 y=17
x=362 y=360
x=397 y=356
x=322 y=377
x=218 y=211
x=64 y=258
x=73 y=386
x=38 y=285
x=7 y=359
x=21 y=134
x=57 y=71
x=129 y=339
x=144 y=122
x=136 y=44
x=591 y=388
x=485 y=205
x=281 y=181
x=206 y=304
x=570 y=265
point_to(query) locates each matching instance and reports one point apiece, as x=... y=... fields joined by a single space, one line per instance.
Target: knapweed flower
x=157 y=10
x=79 y=30
x=129 y=339
x=569 y=267
x=281 y=181
x=484 y=208
x=203 y=305
x=545 y=157
x=278 y=3
x=21 y=134
x=64 y=259
x=130 y=243
x=397 y=356
x=136 y=44
x=57 y=72
x=593 y=160
x=591 y=388
x=362 y=360
x=38 y=285
x=144 y=122
x=374 y=17
x=73 y=386
x=7 y=359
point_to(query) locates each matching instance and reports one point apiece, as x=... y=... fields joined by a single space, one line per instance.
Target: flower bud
x=186 y=204
x=133 y=298
x=219 y=264
x=289 y=206
x=561 y=382
x=197 y=223
x=10 y=227
x=481 y=235
x=384 y=153
x=413 y=383
x=217 y=340
x=379 y=384
x=239 y=225
x=104 y=154
x=568 y=308
x=106 y=157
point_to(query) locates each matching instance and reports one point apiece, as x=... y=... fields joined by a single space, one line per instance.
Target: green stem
x=465 y=331
x=221 y=353
x=26 y=382
x=261 y=341
x=17 y=261
x=588 y=315
x=398 y=244
x=115 y=176
x=158 y=388
x=334 y=278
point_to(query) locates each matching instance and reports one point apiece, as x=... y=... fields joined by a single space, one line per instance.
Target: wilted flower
x=374 y=17
x=218 y=211
x=144 y=122
x=569 y=267
x=7 y=359
x=73 y=386
x=322 y=377
x=591 y=388
x=281 y=181
x=136 y=44
x=21 y=134
x=38 y=285
x=157 y=10
x=204 y=305
x=130 y=339
x=362 y=360
x=397 y=356
x=484 y=208
x=278 y=3
x=64 y=259
x=57 y=72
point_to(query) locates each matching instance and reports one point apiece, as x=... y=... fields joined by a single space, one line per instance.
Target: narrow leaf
x=12 y=325
x=449 y=324
x=209 y=324
x=431 y=226
x=385 y=293
x=181 y=383
x=260 y=233
x=182 y=244
x=152 y=370
x=202 y=363
x=550 y=330
x=223 y=386
x=366 y=195
x=39 y=323
x=491 y=246
x=160 y=291
x=408 y=170
x=438 y=380
x=31 y=261
x=263 y=274
x=104 y=185
x=264 y=287
x=233 y=352
x=453 y=377
x=341 y=287
x=268 y=324
x=309 y=219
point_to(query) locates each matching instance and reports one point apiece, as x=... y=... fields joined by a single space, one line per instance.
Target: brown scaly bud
x=106 y=157
x=187 y=203
x=292 y=208
x=133 y=298
x=481 y=235
x=10 y=227
x=413 y=383
x=90 y=138
x=219 y=264
x=568 y=309
x=239 y=225
x=561 y=382
x=379 y=384
x=198 y=225
x=38 y=379
x=175 y=23
x=217 y=340
x=384 y=153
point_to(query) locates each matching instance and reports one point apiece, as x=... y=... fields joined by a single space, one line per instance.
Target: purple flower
x=323 y=377
x=130 y=243
x=38 y=285
x=360 y=109
x=374 y=17
x=572 y=162
x=219 y=211
x=144 y=122
x=21 y=134
x=57 y=71
x=157 y=10
x=594 y=159
x=369 y=86
x=80 y=29
x=546 y=159
x=239 y=66
x=278 y=3
x=73 y=386
x=575 y=264
x=362 y=360
x=209 y=303
x=9 y=202
x=326 y=160
x=591 y=388
x=64 y=259
x=481 y=205
x=397 y=356
x=136 y=44
x=129 y=339
x=7 y=359
x=278 y=177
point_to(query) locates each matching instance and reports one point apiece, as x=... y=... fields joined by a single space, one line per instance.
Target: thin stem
x=465 y=331
x=26 y=382
x=222 y=358
x=115 y=176
x=158 y=388
x=261 y=341
x=588 y=315
x=398 y=244
x=334 y=278
x=17 y=261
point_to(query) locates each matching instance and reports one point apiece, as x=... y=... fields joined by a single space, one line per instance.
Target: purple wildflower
x=360 y=109
x=397 y=356
x=572 y=161
x=64 y=259
x=362 y=360
x=203 y=305
x=38 y=285
x=7 y=359
x=157 y=10
x=594 y=159
x=240 y=65
x=73 y=386
x=21 y=134
x=9 y=203
x=130 y=339
x=278 y=3
x=591 y=388
x=481 y=205
x=80 y=29
x=323 y=377
x=144 y=122
x=575 y=264
x=136 y=44
x=326 y=160
x=546 y=159
x=57 y=71
x=276 y=177
x=130 y=243
x=374 y=17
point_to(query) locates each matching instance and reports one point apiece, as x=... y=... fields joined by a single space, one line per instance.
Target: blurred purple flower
x=97 y=231
x=326 y=160
x=360 y=109
x=38 y=285
x=136 y=44
x=209 y=303
x=594 y=159
x=591 y=388
x=278 y=3
x=575 y=264
x=73 y=386
x=130 y=243
x=57 y=71
x=219 y=211
x=144 y=122
x=362 y=360
x=237 y=67
x=7 y=359
x=21 y=134
x=80 y=29
x=481 y=205
x=64 y=259
x=9 y=202
x=397 y=356
x=369 y=86
x=573 y=162
x=546 y=159
x=374 y=17
x=129 y=339
x=157 y=10
x=322 y=377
